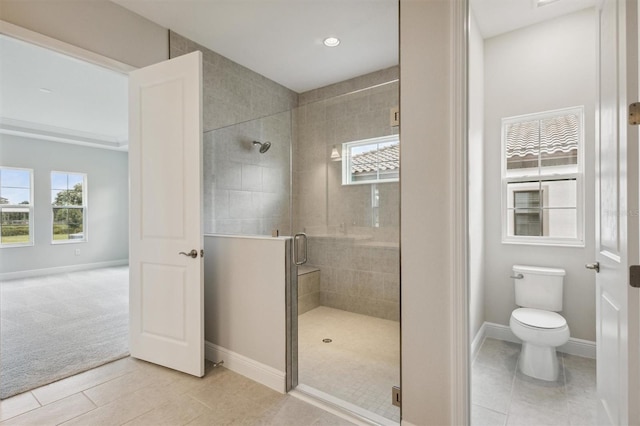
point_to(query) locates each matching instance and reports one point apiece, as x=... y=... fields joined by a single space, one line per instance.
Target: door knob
x=193 y=253
x=594 y=266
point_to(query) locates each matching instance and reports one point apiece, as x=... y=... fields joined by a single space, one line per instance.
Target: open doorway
x=64 y=207
x=533 y=98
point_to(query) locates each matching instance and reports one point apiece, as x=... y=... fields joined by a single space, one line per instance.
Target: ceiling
x=495 y=17
x=51 y=96
x=280 y=39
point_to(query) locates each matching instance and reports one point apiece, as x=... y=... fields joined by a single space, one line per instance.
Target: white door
x=616 y=217
x=166 y=288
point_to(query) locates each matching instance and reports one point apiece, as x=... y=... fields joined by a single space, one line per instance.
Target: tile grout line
x=513 y=381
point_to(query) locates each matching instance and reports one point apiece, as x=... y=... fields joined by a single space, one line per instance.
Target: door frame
x=458 y=207
x=20 y=33
x=460 y=348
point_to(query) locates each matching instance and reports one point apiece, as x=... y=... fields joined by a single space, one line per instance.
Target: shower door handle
x=297 y=238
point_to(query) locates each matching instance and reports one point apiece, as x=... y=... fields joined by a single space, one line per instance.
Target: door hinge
x=634 y=276
x=634 y=114
x=395 y=116
x=396 y=396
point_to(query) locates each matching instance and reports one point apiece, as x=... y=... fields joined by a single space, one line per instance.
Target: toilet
x=537 y=323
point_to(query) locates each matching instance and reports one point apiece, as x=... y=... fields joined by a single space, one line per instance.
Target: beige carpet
x=55 y=326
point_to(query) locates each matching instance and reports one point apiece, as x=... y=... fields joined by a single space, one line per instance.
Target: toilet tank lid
x=540 y=270
x=539 y=318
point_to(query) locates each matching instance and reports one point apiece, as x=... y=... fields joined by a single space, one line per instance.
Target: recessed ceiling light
x=45 y=90
x=331 y=41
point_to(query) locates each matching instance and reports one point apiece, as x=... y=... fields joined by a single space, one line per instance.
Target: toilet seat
x=538 y=319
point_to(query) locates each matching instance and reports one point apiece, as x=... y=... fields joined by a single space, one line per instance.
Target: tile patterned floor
x=501 y=395
x=132 y=392
x=359 y=366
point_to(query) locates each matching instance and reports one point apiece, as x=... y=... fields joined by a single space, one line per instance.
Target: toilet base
x=539 y=362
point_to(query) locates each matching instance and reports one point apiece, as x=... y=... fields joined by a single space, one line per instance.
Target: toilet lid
x=539 y=318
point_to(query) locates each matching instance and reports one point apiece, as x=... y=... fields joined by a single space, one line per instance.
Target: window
x=371 y=160
x=527 y=213
x=542 y=177
x=69 y=207
x=16 y=207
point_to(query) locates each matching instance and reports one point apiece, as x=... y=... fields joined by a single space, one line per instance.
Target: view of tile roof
x=384 y=159
x=548 y=136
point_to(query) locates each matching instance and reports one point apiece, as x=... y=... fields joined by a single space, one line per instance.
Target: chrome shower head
x=264 y=147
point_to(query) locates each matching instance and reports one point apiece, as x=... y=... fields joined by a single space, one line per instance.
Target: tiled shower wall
x=249 y=193
x=244 y=192
x=358 y=262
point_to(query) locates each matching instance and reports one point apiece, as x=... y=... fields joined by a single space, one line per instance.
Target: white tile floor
x=501 y=395
x=359 y=366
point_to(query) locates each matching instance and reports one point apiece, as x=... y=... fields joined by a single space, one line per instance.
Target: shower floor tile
x=501 y=395
x=361 y=363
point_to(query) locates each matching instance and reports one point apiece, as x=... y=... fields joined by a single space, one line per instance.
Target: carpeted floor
x=55 y=326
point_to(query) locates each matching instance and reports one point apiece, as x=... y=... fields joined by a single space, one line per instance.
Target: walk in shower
x=331 y=171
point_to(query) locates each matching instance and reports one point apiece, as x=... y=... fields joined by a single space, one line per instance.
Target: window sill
x=549 y=243
x=62 y=242
x=4 y=246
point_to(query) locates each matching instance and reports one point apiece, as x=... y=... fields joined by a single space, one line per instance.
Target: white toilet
x=536 y=322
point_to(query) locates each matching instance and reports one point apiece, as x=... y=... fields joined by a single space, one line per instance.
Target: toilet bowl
x=541 y=332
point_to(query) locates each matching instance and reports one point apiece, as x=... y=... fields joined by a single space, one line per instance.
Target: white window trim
x=85 y=207
x=31 y=242
x=346 y=163
x=579 y=176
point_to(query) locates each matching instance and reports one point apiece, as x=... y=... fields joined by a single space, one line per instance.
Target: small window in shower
x=371 y=160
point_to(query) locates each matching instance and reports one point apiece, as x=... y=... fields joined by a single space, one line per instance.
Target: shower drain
x=327 y=340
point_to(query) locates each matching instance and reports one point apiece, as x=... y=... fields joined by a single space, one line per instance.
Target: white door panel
x=166 y=288
x=616 y=229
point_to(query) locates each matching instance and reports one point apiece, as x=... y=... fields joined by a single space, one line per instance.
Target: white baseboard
x=578 y=347
x=477 y=341
x=61 y=269
x=248 y=367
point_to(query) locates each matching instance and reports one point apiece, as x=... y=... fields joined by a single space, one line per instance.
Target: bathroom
x=283 y=173
x=506 y=86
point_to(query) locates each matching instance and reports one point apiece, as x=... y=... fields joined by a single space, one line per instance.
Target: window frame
x=31 y=207
x=84 y=207
x=553 y=173
x=346 y=159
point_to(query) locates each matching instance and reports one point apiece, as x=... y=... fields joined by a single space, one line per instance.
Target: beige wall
x=100 y=26
x=426 y=217
x=558 y=71
x=359 y=263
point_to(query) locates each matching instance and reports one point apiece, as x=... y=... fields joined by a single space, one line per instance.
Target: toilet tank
x=539 y=287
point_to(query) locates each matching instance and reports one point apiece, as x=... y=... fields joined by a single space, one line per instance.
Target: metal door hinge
x=634 y=114
x=396 y=396
x=634 y=276
x=395 y=117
